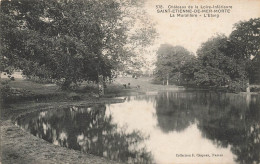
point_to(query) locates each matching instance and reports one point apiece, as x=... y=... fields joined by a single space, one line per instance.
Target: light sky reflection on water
x=141 y=115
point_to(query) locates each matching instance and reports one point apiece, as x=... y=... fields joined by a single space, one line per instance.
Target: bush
x=255 y=89
x=6 y=90
x=237 y=86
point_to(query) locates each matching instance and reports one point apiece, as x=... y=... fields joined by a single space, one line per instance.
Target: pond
x=164 y=127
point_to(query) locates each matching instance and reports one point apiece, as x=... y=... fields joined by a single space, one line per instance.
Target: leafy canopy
x=68 y=40
x=170 y=59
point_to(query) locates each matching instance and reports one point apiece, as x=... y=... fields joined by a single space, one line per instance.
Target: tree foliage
x=68 y=40
x=218 y=65
x=244 y=41
x=254 y=75
x=221 y=61
x=170 y=59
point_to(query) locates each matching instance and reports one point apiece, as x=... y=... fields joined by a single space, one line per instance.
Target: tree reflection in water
x=226 y=119
x=89 y=130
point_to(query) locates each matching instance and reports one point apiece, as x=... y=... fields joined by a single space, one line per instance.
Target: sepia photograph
x=130 y=81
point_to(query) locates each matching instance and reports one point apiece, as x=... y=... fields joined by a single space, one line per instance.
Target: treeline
x=221 y=62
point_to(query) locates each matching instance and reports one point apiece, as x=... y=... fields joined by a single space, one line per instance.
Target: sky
x=192 y=32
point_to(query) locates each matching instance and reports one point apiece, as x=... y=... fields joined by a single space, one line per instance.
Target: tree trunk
x=167 y=80
x=248 y=87
x=100 y=86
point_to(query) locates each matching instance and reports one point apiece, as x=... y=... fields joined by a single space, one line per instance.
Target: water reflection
x=88 y=130
x=158 y=128
x=226 y=119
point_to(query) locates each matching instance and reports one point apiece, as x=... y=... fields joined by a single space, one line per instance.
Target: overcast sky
x=191 y=32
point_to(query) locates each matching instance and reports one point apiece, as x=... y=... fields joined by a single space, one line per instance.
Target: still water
x=166 y=127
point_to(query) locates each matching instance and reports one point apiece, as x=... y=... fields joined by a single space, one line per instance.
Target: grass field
x=143 y=84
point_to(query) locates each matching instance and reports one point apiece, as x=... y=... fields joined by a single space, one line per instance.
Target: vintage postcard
x=130 y=81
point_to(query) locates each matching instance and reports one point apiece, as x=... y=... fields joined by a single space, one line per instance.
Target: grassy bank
x=22 y=89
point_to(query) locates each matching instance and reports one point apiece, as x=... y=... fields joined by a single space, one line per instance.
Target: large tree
x=244 y=41
x=244 y=45
x=227 y=61
x=169 y=62
x=68 y=40
x=220 y=68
